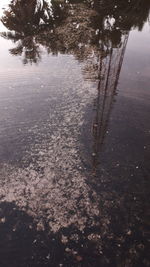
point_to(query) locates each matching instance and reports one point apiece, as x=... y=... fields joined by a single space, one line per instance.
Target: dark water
x=74 y=133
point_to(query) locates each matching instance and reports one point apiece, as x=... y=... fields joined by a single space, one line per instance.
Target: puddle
x=74 y=133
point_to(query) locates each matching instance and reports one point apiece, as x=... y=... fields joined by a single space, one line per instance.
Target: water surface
x=74 y=133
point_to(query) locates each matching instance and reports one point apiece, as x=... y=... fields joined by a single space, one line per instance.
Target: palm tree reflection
x=109 y=71
x=70 y=26
x=26 y=47
x=96 y=33
x=25 y=20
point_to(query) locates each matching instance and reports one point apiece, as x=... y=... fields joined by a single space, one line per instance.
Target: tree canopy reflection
x=76 y=27
x=97 y=34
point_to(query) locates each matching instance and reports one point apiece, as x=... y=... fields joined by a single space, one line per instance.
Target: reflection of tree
x=109 y=71
x=25 y=20
x=100 y=41
x=28 y=17
x=95 y=33
x=70 y=27
x=119 y=18
x=127 y=14
x=26 y=47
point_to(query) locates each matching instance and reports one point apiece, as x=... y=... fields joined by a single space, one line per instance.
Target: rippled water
x=74 y=135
